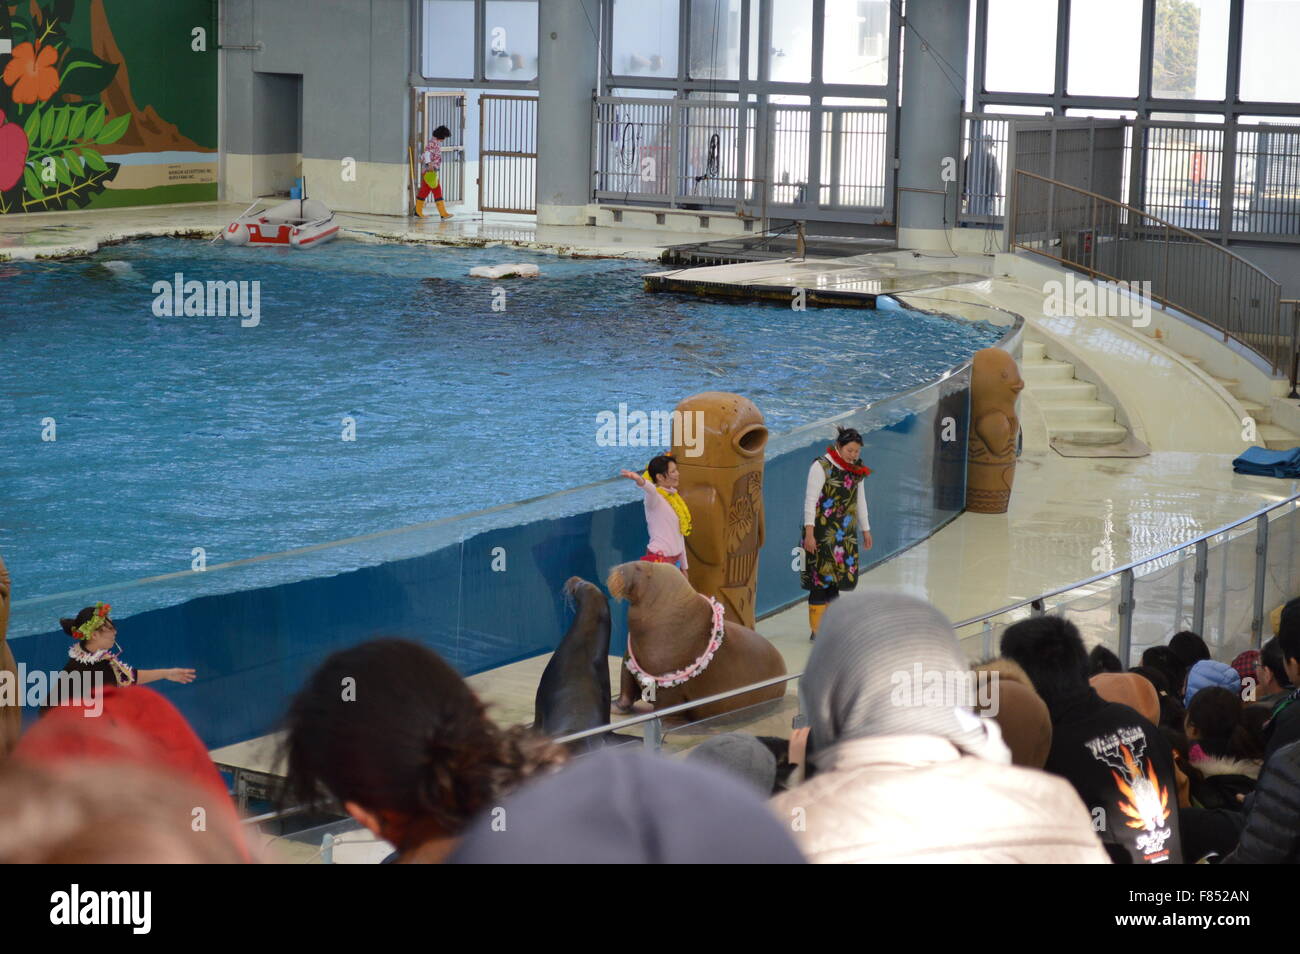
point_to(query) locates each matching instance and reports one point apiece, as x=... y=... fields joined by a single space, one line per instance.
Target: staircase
x=1070 y=406
x=1268 y=434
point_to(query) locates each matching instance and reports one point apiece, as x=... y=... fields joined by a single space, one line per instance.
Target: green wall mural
x=106 y=103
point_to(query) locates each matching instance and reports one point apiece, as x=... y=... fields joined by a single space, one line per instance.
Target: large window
x=715 y=39
x=1105 y=48
x=448 y=39
x=791 y=50
x=856 y=45
x=1189 y=51
x=645 y=38
x=1269 y=69
x=1021 y=47
x=510 y=40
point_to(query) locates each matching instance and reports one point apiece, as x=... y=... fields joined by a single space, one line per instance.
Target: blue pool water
x=183 y=432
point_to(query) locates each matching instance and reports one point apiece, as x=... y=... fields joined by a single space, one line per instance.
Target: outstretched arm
x=171 y=675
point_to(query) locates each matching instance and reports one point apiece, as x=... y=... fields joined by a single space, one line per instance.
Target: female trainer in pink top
x=667 y=545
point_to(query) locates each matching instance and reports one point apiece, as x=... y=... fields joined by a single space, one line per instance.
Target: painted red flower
x=13 y=153
x=32 y=73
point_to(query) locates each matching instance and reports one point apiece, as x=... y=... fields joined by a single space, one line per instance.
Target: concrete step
x=1228 y=384
x=1053 y=392
x=1090 y=434
x=1033 y=351
x=1277 y=438
x=1035 y=371
x=1065 y=415
x=1261 y=414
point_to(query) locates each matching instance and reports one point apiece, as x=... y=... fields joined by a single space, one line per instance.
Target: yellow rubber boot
x=815 y=617
x=442 y=209
x=419 y=207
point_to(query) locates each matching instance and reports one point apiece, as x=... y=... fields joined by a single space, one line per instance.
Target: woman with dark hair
x=1225 y=752
x=834 y=507
x=431 y=160
x=396 y=737
x=1189 y=648
x=96 y=651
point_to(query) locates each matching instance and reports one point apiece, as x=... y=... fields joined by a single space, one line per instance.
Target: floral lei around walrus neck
x=650 y=682
x=676 y=502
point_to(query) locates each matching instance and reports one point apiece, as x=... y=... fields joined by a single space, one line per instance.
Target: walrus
x=574 y=690
x=995 y=383
x=669 y=625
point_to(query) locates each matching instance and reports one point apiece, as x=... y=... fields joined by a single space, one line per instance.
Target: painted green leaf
x=61 y=124
x=33 y=125
x=32 y=184
x=113 y=131
x=61 y=171
x=96 y=122
x=85 y=74
x=79 y=115
x=47 y=126
x=74 y=163
x=94 y=160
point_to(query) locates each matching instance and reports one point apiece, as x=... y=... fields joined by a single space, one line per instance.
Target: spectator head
x=1211 y=672
x=1168 y=663
x=632 y=808
x=1171 y=710
x=1129 y=689
x=1288 y=638
x=94 y=811
x=1021 y=715
x=1247 y=666
x=1214 y=721
x=888 y=664
x=1051 y=651
x=397 y=738
x=1189 y=648
x=1271 y=671
x=1102 y=659
x=1254 y=718
x=741 y=755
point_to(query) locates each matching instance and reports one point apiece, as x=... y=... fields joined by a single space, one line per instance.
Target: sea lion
x=995 y=383
x=669 y=625
x=574 y=690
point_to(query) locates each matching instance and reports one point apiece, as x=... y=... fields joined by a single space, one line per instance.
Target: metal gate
x=507 y=171
x=831 y=162
x=431 y=110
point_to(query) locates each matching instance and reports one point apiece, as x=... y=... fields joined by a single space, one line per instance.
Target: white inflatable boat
x=301 y=223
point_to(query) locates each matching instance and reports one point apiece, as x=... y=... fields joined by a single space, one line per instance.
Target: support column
x=567 y=75
x=929 y=126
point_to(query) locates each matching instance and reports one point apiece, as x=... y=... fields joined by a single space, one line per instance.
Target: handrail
x=742 y=690
x=1056 y=183
x=1295 y=342
x=1211 y=302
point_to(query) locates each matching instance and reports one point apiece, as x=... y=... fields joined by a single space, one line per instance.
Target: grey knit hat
x=740 y=755
x=879 y=667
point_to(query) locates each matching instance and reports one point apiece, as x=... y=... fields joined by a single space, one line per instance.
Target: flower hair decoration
x=97 y=619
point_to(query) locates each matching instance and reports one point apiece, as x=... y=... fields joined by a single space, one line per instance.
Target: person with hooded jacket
x=1272 y=831
x=904 y=771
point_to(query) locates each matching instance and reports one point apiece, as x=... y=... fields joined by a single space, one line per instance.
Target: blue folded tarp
x=1269 y=463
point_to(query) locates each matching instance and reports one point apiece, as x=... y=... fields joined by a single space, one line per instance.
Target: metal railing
x=824 y=161
x=1290 y=308
x=1180 y=269
x=507 y=153
x=1266 y=584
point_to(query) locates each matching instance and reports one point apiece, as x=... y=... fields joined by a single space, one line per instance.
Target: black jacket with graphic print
x=1123 y=769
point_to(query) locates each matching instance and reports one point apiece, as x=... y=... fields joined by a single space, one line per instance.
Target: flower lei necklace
x=121 y=672
x=650 y=682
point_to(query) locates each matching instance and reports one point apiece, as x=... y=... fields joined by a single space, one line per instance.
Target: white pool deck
x=1062 y=509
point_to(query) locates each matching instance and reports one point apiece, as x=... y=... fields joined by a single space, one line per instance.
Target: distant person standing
x=431 y=161
x=835 y=505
